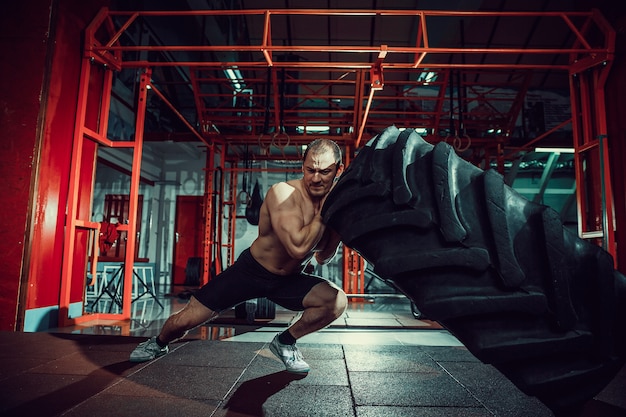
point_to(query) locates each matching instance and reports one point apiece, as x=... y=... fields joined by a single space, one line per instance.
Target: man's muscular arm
x=327 y=248
x=287 y=217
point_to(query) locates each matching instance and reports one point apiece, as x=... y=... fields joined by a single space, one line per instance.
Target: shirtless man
x=291 y=232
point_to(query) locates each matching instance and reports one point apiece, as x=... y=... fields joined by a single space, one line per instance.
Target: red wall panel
x=39 y=75
x=616 y=125
x=21 y=75
x=53 y=179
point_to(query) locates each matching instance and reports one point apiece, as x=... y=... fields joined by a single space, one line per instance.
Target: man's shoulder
x=286 y=190
x=286 y=186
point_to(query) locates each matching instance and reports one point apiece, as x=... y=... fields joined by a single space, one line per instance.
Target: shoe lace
x=147 y=345
x=295 y=354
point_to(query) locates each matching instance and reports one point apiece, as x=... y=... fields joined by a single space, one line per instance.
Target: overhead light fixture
x=555 y=150
x=235 y=77
x=313 y=129
x=427 y=77
x=422 y=131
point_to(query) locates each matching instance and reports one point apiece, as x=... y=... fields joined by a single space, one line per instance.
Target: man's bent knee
x=328 y=296
x=341 y=303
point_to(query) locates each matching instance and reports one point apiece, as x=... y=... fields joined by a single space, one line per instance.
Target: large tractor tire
x=500 y=272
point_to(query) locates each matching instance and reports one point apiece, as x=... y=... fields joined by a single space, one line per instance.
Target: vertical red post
x=129 y=258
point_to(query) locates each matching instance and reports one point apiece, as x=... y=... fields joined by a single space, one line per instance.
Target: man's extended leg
x=323 y=304
x=191 y=316
x=176 y=327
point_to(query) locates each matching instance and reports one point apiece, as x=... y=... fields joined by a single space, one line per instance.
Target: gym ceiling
x=262 y=78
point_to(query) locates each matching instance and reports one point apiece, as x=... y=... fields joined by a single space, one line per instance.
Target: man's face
x=319 y=171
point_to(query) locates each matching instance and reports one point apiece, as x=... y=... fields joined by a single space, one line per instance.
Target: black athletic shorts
x=246 y=279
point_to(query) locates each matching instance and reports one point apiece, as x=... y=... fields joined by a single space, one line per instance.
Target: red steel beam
x=104 y=49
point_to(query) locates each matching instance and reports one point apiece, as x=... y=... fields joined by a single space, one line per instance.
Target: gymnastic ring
x=246 y=197
x=277 y=142
x=458 y=142
x=264 y=147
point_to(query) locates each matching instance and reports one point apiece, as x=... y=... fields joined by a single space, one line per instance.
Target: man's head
x=323 y=145
x=321 y=164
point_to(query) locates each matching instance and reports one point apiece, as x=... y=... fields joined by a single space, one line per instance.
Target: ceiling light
x=235 y=77
x=313 y=129
x=555 y=150
x=422 y=131
x=427 y=77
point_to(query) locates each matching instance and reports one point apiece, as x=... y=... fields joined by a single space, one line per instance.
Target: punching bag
x=254 y=205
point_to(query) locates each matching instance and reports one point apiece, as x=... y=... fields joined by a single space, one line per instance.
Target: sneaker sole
x=140 y=360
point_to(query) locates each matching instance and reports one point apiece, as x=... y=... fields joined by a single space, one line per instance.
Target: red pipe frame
x=81 y=134
x=267 y=48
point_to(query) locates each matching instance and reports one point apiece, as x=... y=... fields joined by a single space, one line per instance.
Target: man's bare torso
x=267 y=249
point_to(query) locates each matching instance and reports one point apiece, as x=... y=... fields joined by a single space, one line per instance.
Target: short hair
x=322 y=145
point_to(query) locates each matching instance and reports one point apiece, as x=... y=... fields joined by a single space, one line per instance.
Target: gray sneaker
x=290 y=355
x=147 y=351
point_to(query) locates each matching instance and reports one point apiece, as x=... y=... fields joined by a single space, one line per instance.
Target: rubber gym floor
x=376 y=360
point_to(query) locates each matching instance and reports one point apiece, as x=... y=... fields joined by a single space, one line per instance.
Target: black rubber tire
x=500 y=272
